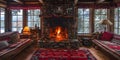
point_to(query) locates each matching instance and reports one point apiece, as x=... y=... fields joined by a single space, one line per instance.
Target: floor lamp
x=103 y=25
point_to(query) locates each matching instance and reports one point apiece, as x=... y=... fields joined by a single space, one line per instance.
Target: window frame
x=83 y=20
x=19 y=24
x=34 y=21
x=117 y=22
x=101 y=14
x=2 y=23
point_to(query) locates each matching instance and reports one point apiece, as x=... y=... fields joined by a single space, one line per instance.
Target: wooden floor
x=98 y=54
x=27 y=53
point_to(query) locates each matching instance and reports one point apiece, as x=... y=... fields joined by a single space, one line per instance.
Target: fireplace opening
x=58 y=33
x=59 y=29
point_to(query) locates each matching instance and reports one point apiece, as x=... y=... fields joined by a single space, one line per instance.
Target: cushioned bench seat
x=111 y=47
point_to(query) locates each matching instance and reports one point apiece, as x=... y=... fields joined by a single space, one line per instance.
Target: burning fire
x=58 y=34
x=58 y=30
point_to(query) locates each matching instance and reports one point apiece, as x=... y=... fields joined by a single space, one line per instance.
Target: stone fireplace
x=59 y=26
x=59 y=29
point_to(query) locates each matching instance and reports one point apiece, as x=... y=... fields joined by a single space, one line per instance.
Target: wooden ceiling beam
x=76 y=2
x=41 y=1
x=116 y=0
x=3 y=1
x=100 y=1
x=18 y=1
x=31 y=2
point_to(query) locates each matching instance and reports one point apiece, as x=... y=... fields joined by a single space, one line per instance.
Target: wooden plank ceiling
x=39 y=2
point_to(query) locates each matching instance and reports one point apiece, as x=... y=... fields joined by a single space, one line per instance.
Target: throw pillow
x=3 y=44
x=107 y=36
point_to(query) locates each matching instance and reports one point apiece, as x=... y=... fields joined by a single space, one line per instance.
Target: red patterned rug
x=62 y=54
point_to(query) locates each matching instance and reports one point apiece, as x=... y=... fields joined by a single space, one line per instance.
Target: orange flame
x=58 y=30
x=58 y=34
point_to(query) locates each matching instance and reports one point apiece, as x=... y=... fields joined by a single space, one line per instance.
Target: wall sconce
x=26 y=30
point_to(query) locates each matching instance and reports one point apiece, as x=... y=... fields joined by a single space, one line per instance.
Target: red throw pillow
x=107 y=36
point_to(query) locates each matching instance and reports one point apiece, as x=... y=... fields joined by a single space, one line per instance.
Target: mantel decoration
x=58 y=10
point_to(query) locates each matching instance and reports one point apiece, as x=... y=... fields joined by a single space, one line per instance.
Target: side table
x=86 y=42
x=23 y=36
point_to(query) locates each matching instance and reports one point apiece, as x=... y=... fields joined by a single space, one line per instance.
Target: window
x=2 y=20
x=100 y=14
x=83 y=21
x=33 y=18
x=117 y=21
x=17 y=20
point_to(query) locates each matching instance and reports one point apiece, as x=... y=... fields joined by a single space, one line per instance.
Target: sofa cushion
x=14 y=37
x=116 y=39
x=107 y=36
x=115 y=47
x=3 y=44
x=11 y=37
x=111 y=48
